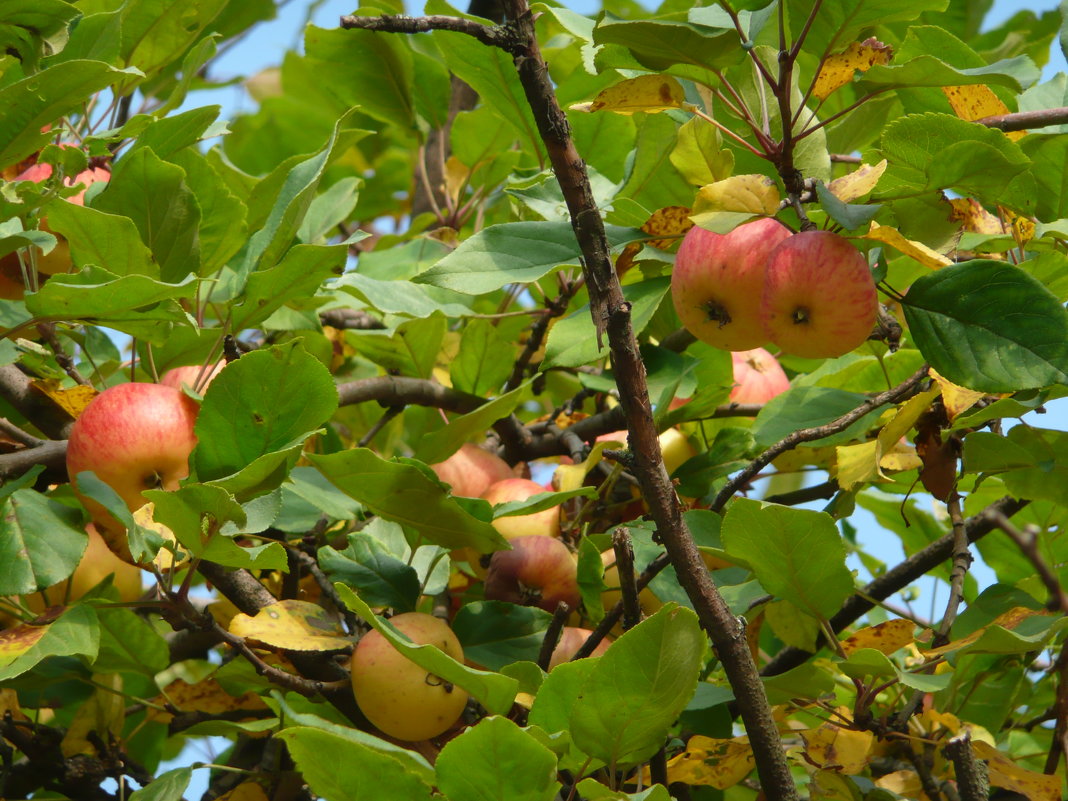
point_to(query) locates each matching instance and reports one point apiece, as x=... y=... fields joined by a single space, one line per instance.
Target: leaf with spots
x=838 y=69
x=647 y=93
x=884 y=637
x=292 y=625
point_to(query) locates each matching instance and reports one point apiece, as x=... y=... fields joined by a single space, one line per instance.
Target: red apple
x=545 y=522
x=399 y=697
x=538 y=571
x=571 y=639
x=717 y=281
x=758 y=376
x=471 y=470
x=133 y=437
x=189 y=375
x=819 y=298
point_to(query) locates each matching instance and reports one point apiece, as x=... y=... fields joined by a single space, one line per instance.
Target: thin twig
x=552 y=635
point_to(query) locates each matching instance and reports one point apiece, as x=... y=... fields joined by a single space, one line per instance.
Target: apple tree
x=387 y=435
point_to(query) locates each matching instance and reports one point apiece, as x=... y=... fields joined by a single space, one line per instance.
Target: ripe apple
x=819 y=298
x=674 y=446
x=471 y=470
x=538 y=571
x=189 y=374
x=545 y=522
x=758 y=376
x=571 y=639
x=717 y=281
x=58 y=259
x=133 y=437
x=11 y=284
x=399 y=697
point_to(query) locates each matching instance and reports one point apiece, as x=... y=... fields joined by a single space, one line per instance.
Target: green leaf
x=841 y=21
x=989 y=326
x=75 y=633
x=484 y=360
x=639 y=687
x=410 y=349
x=661 y=44
x=495 y=633
x=371 y=70
x=807 y=407
x=135 y=304
x=513 y=253
x=129 y=644
x=110 y=241
x=497 y=761
x=330 y=209
x=41 y=542
x=354 y=771
x=796 y=554
x=367 y=566
x=927 y=70
x=1047 y=152
x=573 y=341
x=32 y=103
x=28 y=29
x=556 y=699
x=699 y=154
x=222 y=230
x=850 y=216
x=439 y=445
x=154 y=195
x=492 y=690
x=168 y=135
x=299 y=275
x=403 y=297
x=407 y=495
x=940 y=151
x=492 y=74
x=167 y=786
x=193 y=511
x=266 y=402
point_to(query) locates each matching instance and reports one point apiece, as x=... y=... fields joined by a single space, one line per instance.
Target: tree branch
x=51 y=453
x=1022 y=120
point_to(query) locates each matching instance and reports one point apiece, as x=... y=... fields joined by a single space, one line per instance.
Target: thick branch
x=397 y=391
x=494 y=36
x=1022 y=120
x=611 y=314
x=51 y=453
x=16 y=389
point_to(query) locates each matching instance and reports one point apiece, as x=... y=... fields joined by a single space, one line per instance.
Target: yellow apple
x=399 y=697
x=545 y=522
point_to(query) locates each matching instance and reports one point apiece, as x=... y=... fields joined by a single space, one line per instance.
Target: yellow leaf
x=293 y=626
x=903 y=421
x=749 y=194
x=858 y=183
x=905 y=783
x=205 y=696
x=857 y=464
x=901 y=457
x=102 y=715
x=956 y=399
x=646 y=93
x=17 y=640
x=799 y=458
x=834 y=748
x=72 y=400
x=570 y=476
x=715 y=763
x=456 y=177
x=885 y=637
x=973 y=217
x=1006 y=774
x=914 y=250
x=1023 y=228
x=977 y=101
x=838 y=69
x=668 y=225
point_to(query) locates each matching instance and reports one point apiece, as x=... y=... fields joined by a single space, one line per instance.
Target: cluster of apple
x=58 y=260
x=811 y=293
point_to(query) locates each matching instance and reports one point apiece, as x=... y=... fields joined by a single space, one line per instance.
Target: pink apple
x=717 y=281
x=819 y=298
x=545 y=522
x=571 y=639
x=471 y=470
x=189 y=374
x=134 y=437
x=538 y=571
x=758 y=376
